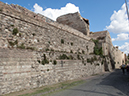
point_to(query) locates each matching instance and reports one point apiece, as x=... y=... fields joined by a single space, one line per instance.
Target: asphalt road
x=109 y=84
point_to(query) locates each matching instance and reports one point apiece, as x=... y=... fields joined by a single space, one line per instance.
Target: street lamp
x=127 y=9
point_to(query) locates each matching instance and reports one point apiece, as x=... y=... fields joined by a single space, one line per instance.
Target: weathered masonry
x=37 y=51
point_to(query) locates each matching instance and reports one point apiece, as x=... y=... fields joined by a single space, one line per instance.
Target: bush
x=15 y=31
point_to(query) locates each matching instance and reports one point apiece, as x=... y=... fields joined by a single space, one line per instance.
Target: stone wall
x=31 y=47
x=39 y=35
x=75 y=21
x=21 y=69
x=37 y=51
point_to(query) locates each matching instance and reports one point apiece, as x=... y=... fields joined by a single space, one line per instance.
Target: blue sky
x=103 y=15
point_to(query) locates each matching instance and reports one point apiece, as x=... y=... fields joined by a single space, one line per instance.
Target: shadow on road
x=117 y=80
x=111 y=84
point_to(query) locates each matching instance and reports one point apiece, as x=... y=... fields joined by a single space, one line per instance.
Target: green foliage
x=54 y=62
x=12 y=25
x=128 y=56
x=16 y=42
x=71 y=57
x=95 y=41
x=97 y=64
x=15 y=31
x=83 y=52
x=91 y=59
x=102 y=62
x=1 y=10
x=97 y=50
x=88 y=60
x=49 y=42
x=21 y=46
x=45 y=61
x=62 y=41
x=47 y=49
x=63 y=56
x=52 y=50
x=87 y=48
x=31 y=48
x=95 y=58
x=47 y=69
x=13 y=43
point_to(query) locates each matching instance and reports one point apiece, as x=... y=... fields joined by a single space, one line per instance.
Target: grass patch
x=46 y=90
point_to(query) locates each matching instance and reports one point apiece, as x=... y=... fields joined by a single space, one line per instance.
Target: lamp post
x=127 y=9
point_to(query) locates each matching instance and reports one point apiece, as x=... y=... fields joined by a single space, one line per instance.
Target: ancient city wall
x=40 y=34
x=20 y=69
x=36 y=51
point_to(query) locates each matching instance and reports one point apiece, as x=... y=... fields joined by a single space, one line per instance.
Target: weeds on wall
x=45 y=61
x=1 y=10
x=22 y=46
x=31 y=48
x=90 y=60
x=64 y=56
x=62 y=41
x=54 y=62
x=15 y=31
x=13 y=43
x=83 y=52
x=71 y=43
x=97 y=50
x=71 y=51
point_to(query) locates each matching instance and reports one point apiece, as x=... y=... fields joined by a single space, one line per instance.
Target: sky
x=102 y=14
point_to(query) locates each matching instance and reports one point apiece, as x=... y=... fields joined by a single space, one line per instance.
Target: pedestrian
x=127 y=67
x=123 y=68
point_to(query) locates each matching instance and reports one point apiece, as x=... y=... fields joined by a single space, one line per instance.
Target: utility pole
x=127 y=9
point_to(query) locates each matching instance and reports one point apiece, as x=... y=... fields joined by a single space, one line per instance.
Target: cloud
x=125 y=48
x=119 y=22
x=121 y=36
x=54 y=13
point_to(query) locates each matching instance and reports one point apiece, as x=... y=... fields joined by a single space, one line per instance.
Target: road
x=108 y=84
